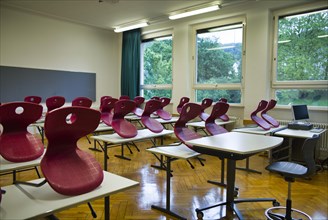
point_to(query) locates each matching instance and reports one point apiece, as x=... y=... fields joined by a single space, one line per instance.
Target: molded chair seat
x=183 y=101
x=290 y=171
x=151 y=106
x=33 y=99
x=69 y=170
x=204 y=105
x=258 y=120
x=271 y=104
x=121 y=126
x=107 y=110
x=161 y=112
x=219 y=109
x=54 y=102
x=16 y=143
x=124 y=97
x=103 y=100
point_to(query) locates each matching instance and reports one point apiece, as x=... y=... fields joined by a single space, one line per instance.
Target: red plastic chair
x=183 y=101
x=272 y=103
x=33 y=99
x=260 y=121
x=151 y=106
x=69 y=170
x=120 y=125
x=102 y=100
x=224 y=117
x=55 y=102
x=82 y=102
x=205 y=104
x=124 y=97
x=139 y=100
x=16 y=143
x=219 y=109
x=107 y=110
x=155 y=97
x=189 y=112
x=161 y=112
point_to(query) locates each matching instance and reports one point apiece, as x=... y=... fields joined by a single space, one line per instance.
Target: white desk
x=114 y=140
x=292 y=133
x=171 y=153
x=259 y=130
x=171 y=121
x=102 y=127
x=234 y=146
x=7 y=166
x=29 y=202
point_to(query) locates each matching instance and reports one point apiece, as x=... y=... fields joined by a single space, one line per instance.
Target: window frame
x=292 y=84
x=149 y=37
x=226 y=86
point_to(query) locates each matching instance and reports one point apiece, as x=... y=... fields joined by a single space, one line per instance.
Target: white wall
x=35 y=41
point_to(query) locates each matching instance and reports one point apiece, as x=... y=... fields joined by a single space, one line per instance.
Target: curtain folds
x=130 y=77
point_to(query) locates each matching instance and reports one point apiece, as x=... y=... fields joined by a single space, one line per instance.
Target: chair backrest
x=125 y=97
x=151 y=106
x=107 y=110
x=82 y=102
x=139 y=100
x=189 y=112
x=260 y=121
x=219 y=108
x=161 y=112
x=102 y=100
x=55 y=102
x=16 y=143
x=33 y=99
x=68 y=169
x=271 y=104
x=204 y=105
x=308 y=150
x=183 y=101
x=121 y=126
x=224 y=117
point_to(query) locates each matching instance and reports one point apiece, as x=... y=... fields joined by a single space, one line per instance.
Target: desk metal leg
x=122 y=153
x=105 y=156
x=107 y=203
x=168 y=192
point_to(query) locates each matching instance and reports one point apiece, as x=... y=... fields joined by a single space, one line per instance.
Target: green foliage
x=158 y=62
x=149 y=93
x=304 y=56
x=233 y=96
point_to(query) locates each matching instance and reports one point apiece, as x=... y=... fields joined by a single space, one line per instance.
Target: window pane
x=148 y=93
x=303 y=47
x=156 y=61
x=219 y=55
x=311 y=97
x=233 y=96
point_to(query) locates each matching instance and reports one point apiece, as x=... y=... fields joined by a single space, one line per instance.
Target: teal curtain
x=130 y=71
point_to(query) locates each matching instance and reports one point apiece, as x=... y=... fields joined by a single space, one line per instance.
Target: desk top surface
x=181 y=151
x=258 y=130
x=6 y=166
x=201 y=124
x=235 y=142
x=172 y=120
x=142 y=134
x=297 y=133
x=24 y=202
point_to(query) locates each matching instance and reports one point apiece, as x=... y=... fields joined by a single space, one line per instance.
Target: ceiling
x=109 y=14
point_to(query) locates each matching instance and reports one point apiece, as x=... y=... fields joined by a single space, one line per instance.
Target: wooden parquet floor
x=190 y=190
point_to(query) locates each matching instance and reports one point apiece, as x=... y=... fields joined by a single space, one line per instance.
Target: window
x=300 y=61
x=156 y=66
x=219 y=62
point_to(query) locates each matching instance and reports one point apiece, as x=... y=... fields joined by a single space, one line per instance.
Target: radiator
x=322 y=147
